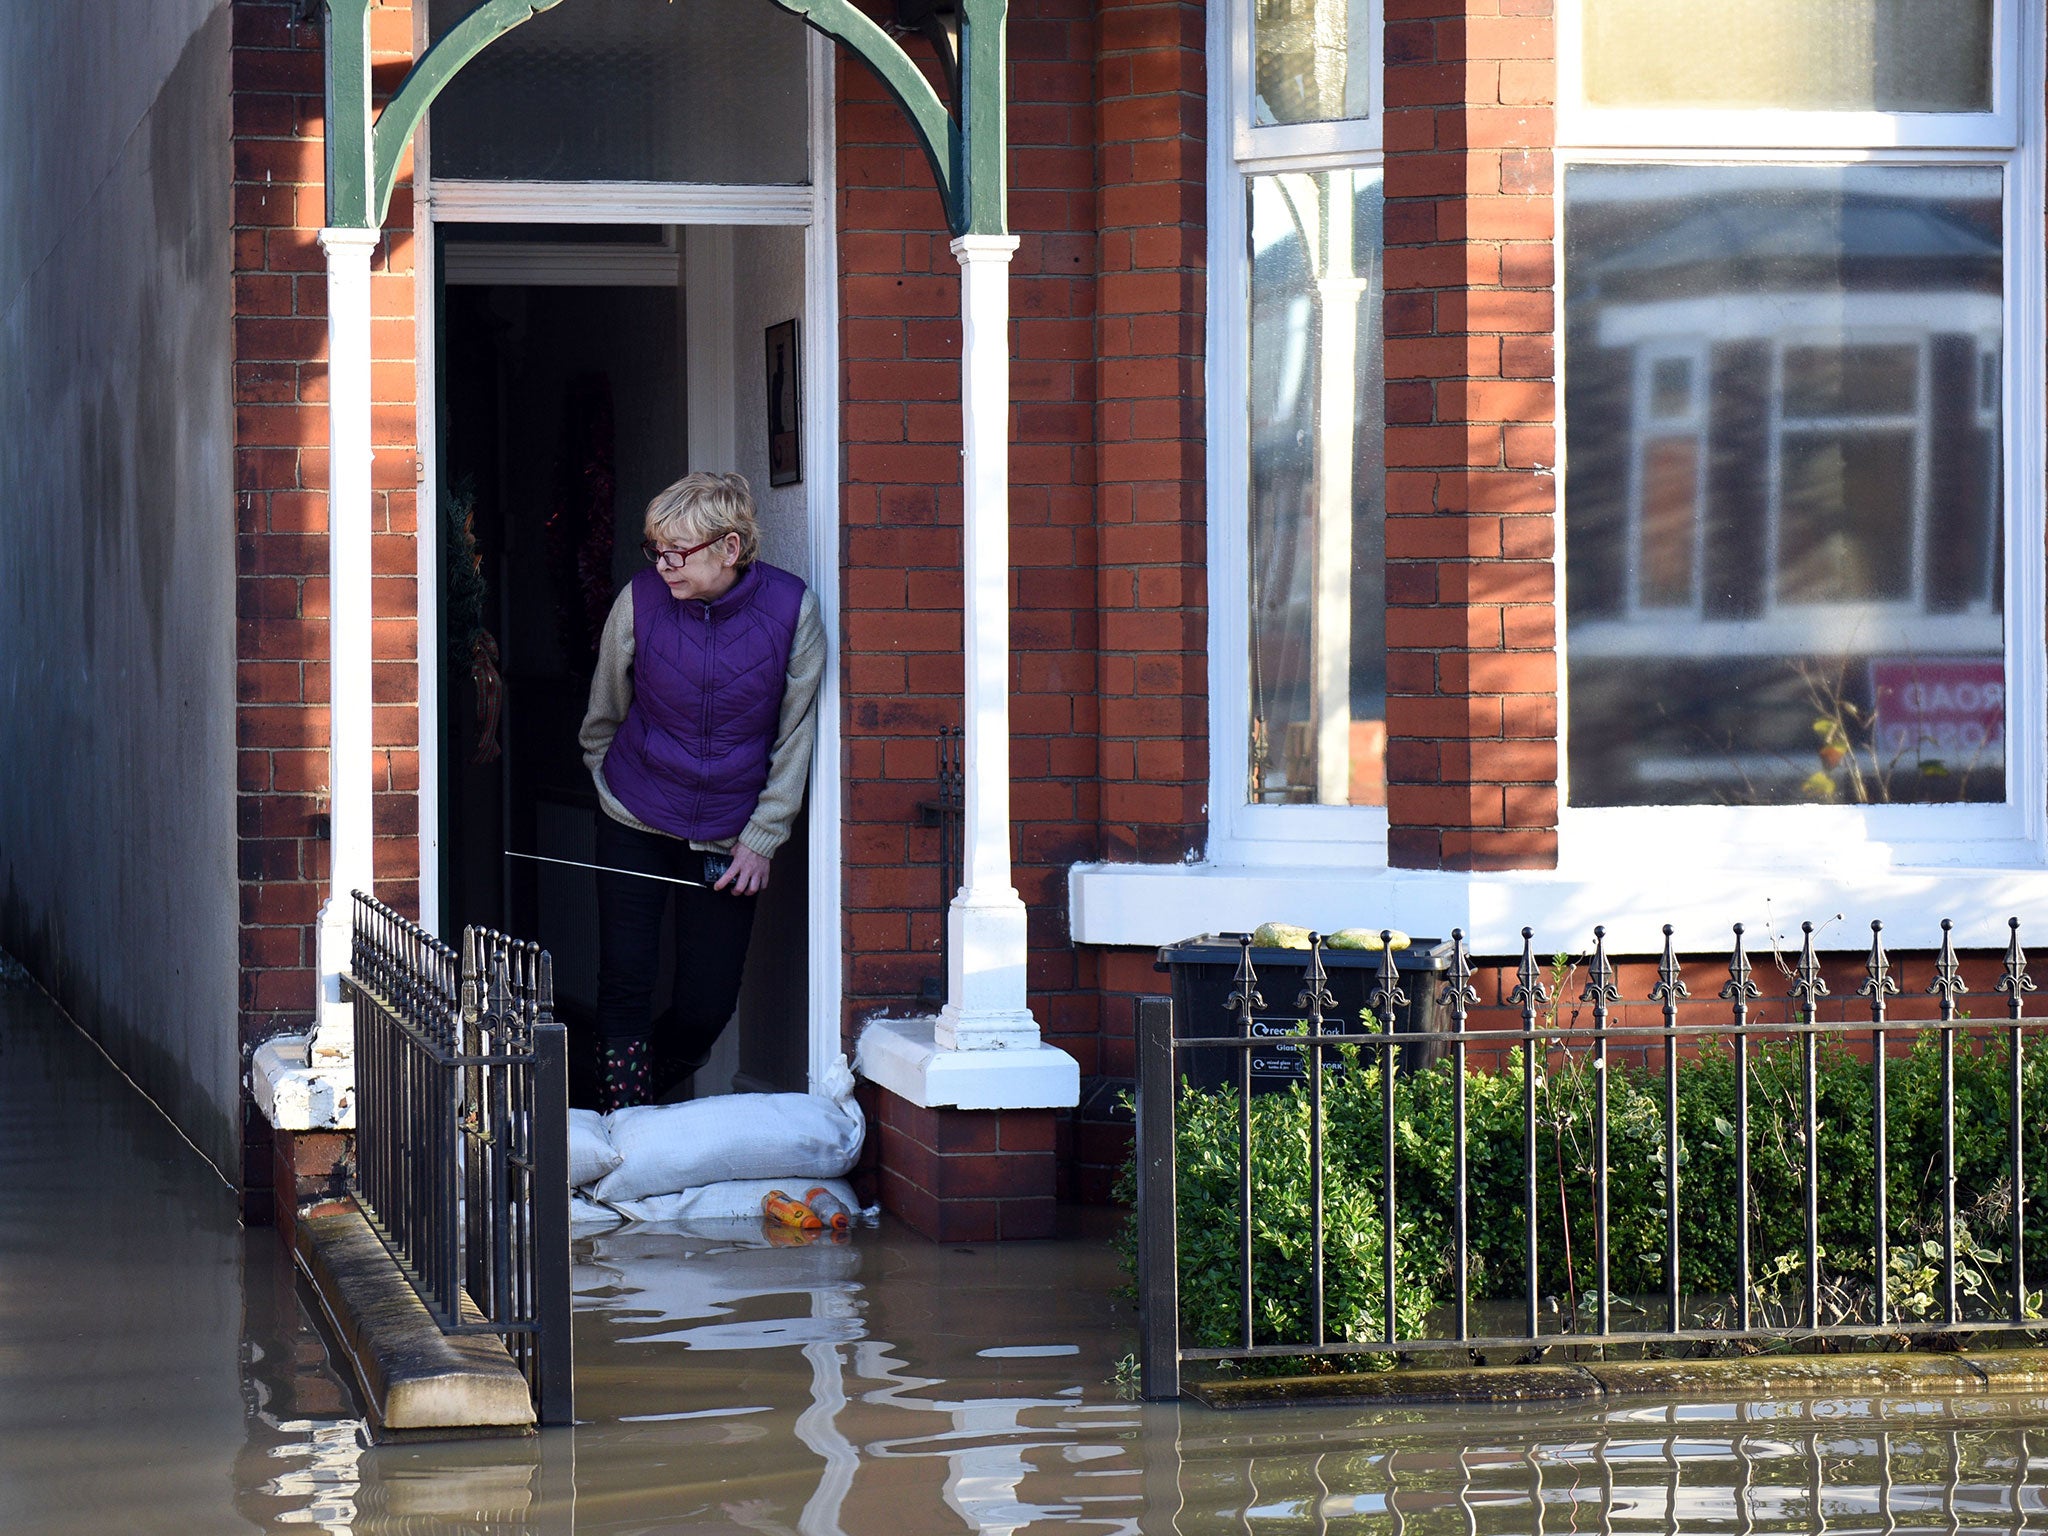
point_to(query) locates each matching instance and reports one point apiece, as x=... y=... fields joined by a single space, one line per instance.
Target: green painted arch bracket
x=937 y=132
x=440 y=64
x=968 y=153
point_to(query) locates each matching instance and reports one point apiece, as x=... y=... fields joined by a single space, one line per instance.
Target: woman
x=699 y=732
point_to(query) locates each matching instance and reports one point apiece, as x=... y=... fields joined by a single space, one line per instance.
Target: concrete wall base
x=413 y=1376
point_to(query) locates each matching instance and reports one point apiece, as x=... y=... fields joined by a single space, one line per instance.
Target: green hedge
x=1207 y=1150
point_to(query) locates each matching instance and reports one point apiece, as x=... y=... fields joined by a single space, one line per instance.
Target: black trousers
x=711 y=933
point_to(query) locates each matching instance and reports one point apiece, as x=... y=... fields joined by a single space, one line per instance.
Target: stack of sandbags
x=713 y=1159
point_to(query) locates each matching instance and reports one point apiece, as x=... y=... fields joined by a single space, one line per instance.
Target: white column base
x=334 y=1024
x=985 y=984
x=297 y=1097
x=902 y=1056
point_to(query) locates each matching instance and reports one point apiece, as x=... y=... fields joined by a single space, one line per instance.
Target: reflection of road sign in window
x=1946 y=709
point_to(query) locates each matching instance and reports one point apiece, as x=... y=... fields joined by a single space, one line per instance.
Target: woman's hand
x=747 y=874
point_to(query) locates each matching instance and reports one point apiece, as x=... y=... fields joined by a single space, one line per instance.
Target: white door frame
x=808 y=207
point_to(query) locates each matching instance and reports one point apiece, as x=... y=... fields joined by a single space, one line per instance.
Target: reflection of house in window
x=1784 y=439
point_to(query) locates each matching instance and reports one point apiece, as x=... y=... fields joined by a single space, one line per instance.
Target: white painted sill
x=1153 y=904
x=901 y=1056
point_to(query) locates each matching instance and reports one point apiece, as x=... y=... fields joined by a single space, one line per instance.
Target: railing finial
x=1738 y=988
x=2015 y=984
x=1386 y=997
x=1670 y=985
x=1529 y=992
x=1459 y=994
x=1315 y=995
x=1878 y=981
x=1948 y=972
x=1600 y=988
x=1808 y=985
x=1246 y=995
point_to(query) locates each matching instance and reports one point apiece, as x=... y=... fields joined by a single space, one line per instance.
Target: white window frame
x=1241 y=832
x=1344 y=140
x=1687 y=128
x=2011 y=835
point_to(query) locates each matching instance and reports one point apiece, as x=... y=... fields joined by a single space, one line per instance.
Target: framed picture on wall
x=785 y=416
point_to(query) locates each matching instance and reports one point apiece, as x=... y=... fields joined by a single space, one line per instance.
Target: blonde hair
x=706 y=506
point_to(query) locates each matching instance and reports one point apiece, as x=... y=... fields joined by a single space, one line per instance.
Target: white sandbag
x=786 y=1137
x=585 y=1213
x=591 y=1153
x=729 y=1200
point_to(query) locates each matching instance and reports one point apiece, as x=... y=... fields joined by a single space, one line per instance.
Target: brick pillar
x=1151 y=587
x=1471 y=446
x=966 y=1176
x=280 y=379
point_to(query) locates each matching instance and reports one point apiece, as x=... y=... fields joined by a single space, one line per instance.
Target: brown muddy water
x=157 y=1373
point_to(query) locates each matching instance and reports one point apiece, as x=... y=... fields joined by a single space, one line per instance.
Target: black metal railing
x=1727 y=1110
x=945 y=813
x=462 y=1107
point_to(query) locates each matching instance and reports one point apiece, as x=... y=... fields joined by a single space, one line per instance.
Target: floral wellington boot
x=627 y=1070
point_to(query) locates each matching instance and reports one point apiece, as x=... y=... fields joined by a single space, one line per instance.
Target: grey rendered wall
x=117 y=538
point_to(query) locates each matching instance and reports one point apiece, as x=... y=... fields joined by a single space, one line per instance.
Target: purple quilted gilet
x=691 y=758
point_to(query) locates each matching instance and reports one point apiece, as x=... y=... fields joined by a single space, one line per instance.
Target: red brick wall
x=1152 y=128
x=1151 y=157
x=280 y=383
x=900 y=348
x=1471 y=399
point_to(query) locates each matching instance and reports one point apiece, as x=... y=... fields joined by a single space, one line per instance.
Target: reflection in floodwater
x=157 y=1373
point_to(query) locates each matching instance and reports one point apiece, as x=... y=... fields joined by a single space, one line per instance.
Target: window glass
x=630 y=90
x=1310 y=60
x=1784 y=530
x=1841 y=55
x=1317 y=413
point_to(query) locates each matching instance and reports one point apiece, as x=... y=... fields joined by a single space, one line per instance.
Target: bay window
x=1801 y=271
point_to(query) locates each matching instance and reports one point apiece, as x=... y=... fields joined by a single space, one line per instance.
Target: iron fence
x=462 y=1134
x=945 y=813
x=1727 y=1124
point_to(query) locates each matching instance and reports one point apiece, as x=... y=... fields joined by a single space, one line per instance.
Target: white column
x=348 y=625
x=985 y=1007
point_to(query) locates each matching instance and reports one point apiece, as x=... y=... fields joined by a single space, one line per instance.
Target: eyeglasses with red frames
x=672 y=559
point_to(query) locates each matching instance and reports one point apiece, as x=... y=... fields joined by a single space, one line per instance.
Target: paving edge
x=1977 y=1374
x=412 y=1375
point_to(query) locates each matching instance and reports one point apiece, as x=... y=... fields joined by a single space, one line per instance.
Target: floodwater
x=157 y=1373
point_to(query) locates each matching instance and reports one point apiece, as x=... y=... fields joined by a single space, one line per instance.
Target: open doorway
x=583 y=368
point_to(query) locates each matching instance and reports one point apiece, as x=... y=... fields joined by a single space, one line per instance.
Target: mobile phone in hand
x=715 y=866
